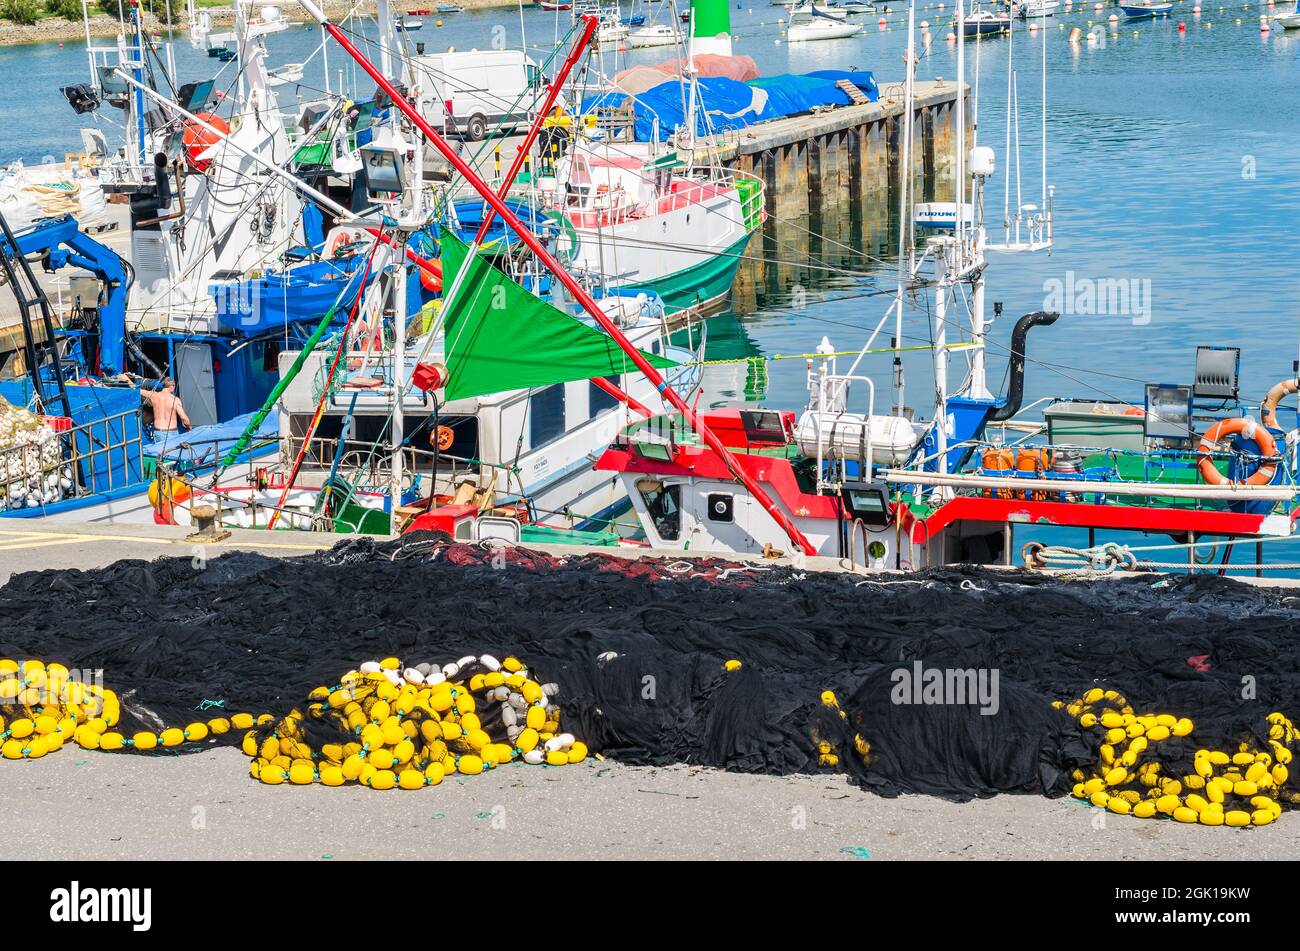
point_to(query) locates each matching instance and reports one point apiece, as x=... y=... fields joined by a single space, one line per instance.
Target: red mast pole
x=579 y=294
x=552 y=93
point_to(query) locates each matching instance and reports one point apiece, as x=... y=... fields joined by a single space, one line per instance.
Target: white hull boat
x=652 y=36
x=818 y=12
x=640 y=223
x=822 y=30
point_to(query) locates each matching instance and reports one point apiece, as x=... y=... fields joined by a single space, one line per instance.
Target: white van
x=474 y=92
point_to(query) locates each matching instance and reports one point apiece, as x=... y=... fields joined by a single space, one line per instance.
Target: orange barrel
x=997 y=460
x=1036 y=461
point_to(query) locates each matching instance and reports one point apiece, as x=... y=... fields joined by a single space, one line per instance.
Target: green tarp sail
x=500 y=337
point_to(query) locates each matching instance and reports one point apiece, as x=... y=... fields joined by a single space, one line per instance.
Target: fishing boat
x=847 y=478
x=1098 y=468
x=223 y=270
x=821 y=26
x=522 y=443
x=1144 y=11
x=657 y=35
x=636 y=218
x=529 y=449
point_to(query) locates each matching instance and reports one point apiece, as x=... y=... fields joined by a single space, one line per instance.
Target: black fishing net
x=640 y=652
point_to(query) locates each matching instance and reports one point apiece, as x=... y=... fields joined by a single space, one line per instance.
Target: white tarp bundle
x=31 y=192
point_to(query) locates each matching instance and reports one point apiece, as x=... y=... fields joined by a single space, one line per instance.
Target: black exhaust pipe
x=1016 y=385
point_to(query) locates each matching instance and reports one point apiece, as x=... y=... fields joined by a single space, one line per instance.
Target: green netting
x=500 y=337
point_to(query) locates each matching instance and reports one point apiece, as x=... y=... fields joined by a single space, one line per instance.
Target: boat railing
x=367 y=468
x=198 y=455
x=369 y=461
x=1098 y=482
x=840 y=421
x=224 y=503
x=104 y=454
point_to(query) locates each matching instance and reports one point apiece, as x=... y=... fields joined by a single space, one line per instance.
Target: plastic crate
x=60 y=424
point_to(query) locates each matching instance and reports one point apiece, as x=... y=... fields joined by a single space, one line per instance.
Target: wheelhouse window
x=664 y=503
x=546 y=415
x=598 y=400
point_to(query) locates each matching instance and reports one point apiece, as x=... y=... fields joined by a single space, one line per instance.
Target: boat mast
x=949 y=262
x=979 y=388
x=398 y=378
x=942 y=246
x=138 y=64
x=384 y=23
x=961 y=136
x=570 y=283
x=904 y=218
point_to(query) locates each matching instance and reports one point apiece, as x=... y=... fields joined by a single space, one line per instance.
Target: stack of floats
x=1241 y=788
x=391 y=726
x=756 y=669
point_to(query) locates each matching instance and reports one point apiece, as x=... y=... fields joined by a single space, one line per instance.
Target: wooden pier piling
x=832 y=182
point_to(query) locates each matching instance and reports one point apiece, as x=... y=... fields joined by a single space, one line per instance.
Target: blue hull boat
x=1146 y=12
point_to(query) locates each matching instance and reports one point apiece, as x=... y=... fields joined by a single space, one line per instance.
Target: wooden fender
x=1268 y=409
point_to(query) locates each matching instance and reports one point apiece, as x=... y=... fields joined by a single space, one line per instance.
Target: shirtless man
x=167 y=407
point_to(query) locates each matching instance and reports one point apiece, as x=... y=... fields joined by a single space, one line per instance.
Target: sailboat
x=819 y=25
x=658 y=34
x=824 y=10
x=980 y=22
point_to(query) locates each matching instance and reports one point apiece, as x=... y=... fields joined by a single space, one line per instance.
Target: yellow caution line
x=24 y=540
x=72 y=536
x=16 y=544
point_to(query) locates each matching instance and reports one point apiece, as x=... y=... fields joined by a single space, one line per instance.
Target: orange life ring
x=1268 y=409
x=1246 y=428
x=343 y=239
x=445 y=436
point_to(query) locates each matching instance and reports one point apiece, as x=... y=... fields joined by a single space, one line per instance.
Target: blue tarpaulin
x=183 y=447
x=726 y=104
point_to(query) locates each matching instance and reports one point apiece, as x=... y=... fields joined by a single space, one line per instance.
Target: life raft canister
x=1268 y=409
x=1247 y=429
x=197 y=139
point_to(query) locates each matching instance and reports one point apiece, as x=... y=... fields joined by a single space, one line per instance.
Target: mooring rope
x=1112 y=556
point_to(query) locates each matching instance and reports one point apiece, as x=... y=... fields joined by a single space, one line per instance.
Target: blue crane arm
x=60 y=240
